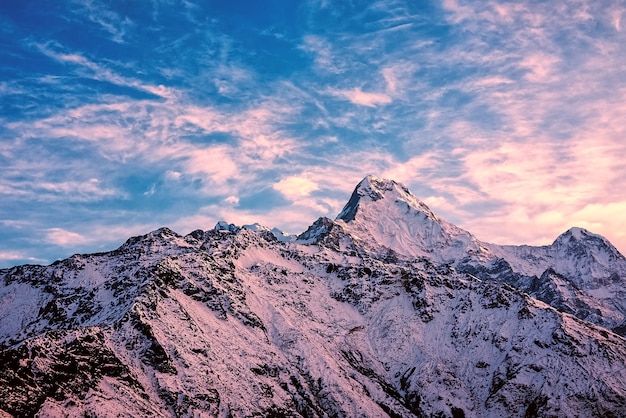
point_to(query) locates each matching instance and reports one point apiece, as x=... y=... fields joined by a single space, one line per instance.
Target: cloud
x=492 y=81
x=417 y=168
x=107 y=20
x=460 y=12
x=391 y=79
x=295 y=187
x=545 y=185
x=64 y=238
x=505 y=116
x=33 y=188
x=20 y=256
x=86 y=190
x=540 y=67
x=359 y=97
x=216 y=164
x=616 y=16
x=321 y=49
x=232 y=200
x=173 y=175
x=91 y=69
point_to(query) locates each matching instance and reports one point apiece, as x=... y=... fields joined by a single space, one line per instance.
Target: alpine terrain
x=387 y=310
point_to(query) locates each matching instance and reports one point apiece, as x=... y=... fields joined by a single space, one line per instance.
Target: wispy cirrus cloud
x=43 y=190
x=360 y=97
x=107 y=20
x=20 y=256
x=511 y=110
x=90 y=69
x=535 y=126
x=323 y=55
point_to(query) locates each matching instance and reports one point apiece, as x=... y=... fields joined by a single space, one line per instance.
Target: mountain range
x=387 y=310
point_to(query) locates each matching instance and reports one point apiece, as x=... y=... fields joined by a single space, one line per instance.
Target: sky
x=117 y=117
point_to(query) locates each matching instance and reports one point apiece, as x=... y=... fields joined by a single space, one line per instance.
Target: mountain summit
x=385 y=214
x=386 y=311
x=372 y=189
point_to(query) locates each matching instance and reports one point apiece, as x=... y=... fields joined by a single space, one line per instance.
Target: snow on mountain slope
x=384 y=213
x=580 y=273
x=344 y=321
x=83 y=290
x=236 y=324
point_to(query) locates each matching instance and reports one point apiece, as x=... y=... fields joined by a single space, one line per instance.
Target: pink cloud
x=545 y=188
x=64 y=238
x=412 y=169
x=540 y=67
x=616 y=17
x=295 y=187
x=19 y=255
x=216 y=164
x=359 y=97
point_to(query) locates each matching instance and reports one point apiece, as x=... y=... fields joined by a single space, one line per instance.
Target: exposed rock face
x=345 y=321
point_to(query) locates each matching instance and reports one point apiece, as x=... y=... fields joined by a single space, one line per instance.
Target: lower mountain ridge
x=358 y=317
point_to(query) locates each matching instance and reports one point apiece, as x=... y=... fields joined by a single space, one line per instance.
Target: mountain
x=580 y=273
x=385 y=215
x=373 y=314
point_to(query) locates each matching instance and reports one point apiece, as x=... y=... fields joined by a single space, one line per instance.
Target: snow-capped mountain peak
x=385 y=214
x=580 y=240
x=372 y=189
x=589 y=258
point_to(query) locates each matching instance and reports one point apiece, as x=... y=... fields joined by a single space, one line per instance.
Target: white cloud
x=216 y=163
x=295 y=187
x=151 y=190
x=31 y=187
x=416 y=168
x=492 y=81
x=460 y=12
x=232 y=200
x=90 y=69
x=173 y=175
x=541 y=67
x=534 y=142
x=391 y=79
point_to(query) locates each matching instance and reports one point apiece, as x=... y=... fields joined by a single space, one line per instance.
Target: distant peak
x=162 y=231
x=581 y=238
x=575 y=233
x=275 y=232
x=223 y=226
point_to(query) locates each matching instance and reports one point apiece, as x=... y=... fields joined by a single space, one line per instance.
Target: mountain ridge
x=589 y=272
x=235 y=322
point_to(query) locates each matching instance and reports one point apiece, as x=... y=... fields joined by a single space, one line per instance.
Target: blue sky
x=119 y=117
